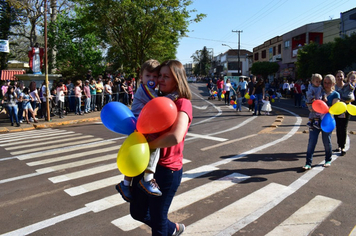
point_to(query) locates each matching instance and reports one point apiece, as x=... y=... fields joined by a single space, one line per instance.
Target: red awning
x=9 y=74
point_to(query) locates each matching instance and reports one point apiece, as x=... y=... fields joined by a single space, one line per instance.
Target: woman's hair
x=332 y=79
x=349 y=75
x=9 y=89
x=180 y=77
x=77 y=83
x=32 y=86
x=60 y=84
x=316 y=76
x=341 y=72
x=25 y=90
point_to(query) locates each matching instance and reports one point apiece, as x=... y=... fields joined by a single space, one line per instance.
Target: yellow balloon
x=247 y=96
x=272 y=100
x=351 y=109
x=222 y=95
x=133 y=155
x=338 y=108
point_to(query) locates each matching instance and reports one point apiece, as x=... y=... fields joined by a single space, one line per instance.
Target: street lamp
x=226 y=45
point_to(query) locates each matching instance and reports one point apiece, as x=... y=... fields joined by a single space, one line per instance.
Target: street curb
x=50 y=125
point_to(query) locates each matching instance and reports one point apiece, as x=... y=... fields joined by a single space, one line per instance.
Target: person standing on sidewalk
x=78 y=97
x=92 y=87
x=99 y=93
x=10 y=99
x=18 y=92
x=60 y=98
x=87 y=97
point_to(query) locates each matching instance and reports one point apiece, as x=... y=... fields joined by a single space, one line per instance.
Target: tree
x=138 y=30
x=264 y=68
x=78 y=49
x=7 y=21
x=202 y=59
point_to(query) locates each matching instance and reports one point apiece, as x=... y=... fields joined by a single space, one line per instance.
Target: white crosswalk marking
x=307 y=218
x=32 y=137
x=75 y=155
x=218 y=221
x=63 y=136
x=55 y=146
x=59 y=140
x=63 y=150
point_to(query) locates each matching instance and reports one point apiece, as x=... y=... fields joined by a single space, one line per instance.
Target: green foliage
x=7 y=20
x=202 y=59
x=264 y=68
x=138 y=30
x=78 y=48
x=327 y=58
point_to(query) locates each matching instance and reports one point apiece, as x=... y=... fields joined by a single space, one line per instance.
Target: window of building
x=274 y=50
x=256 y=56
x=286 y=44
x=279 y=48
x=264 y=54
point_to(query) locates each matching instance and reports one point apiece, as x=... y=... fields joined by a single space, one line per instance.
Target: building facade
x=227 y=63
x=348 y=22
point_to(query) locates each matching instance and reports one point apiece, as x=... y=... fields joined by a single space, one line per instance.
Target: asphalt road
x=242 y=176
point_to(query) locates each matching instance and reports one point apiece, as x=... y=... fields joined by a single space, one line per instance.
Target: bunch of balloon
x=328 y=122
x=156 y=116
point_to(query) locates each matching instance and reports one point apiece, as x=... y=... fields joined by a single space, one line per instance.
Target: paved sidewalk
x=71 y=118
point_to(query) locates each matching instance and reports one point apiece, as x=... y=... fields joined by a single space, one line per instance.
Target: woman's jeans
x=298 y=99
x=313 y=140
x=341 y=129
x=258 y=102
x=108 y=98
x=13 y=113
x=78 y=104
x=153 y=211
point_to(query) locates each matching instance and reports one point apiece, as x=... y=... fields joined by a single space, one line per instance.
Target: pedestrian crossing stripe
x=307 y=218
x=54 y=146
x=32 y=137
x=63 y=136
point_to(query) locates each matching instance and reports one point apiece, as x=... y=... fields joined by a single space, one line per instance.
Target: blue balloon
x=252 y=97
x=328 y=123
x=273 y=96
x=118 y=118
x=234 y=106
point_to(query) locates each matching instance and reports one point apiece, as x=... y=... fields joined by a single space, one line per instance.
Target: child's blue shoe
x=150 y=187
x=124 y=191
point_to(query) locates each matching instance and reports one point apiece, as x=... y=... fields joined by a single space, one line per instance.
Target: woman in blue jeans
x=10 y=98
x=153 y=211
x=331 y=97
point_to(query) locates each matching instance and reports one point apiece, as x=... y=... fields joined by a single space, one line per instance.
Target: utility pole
x=238 y=50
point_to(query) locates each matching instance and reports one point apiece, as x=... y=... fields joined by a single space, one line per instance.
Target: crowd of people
x=28 y=104
x=330 y=89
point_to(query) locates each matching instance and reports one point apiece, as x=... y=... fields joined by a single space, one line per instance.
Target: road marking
x=63 y=136
x=64 y=150
x=24 y=133
x=76 y=163
x=83 y=173
x=218 y=221
x=75 y=155
x=32 y=137
x=59 y=140
x=18 y=178
x=202 y=136
x=127 y=223
x=200 y=107
x=307 y=218
x=46 y=223
x=228 y=142
x=55 y=146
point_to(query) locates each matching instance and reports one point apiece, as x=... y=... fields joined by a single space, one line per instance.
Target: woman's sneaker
x=124 y=191
x=307 y=167
x=150 y=187
x=179 y=229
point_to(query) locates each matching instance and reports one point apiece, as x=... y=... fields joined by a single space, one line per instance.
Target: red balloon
x=249 y=102
x=232 y=102
x=157 y=115
x=223 y=92
x=320 y=107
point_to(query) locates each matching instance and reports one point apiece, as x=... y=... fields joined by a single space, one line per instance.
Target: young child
x=347 y=91
x=145 y=93
x=315 y=92
x=239 y=100
x=266 y=106
x=279 y=95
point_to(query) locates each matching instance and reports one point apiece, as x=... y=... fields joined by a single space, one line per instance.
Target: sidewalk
x=5 y=125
